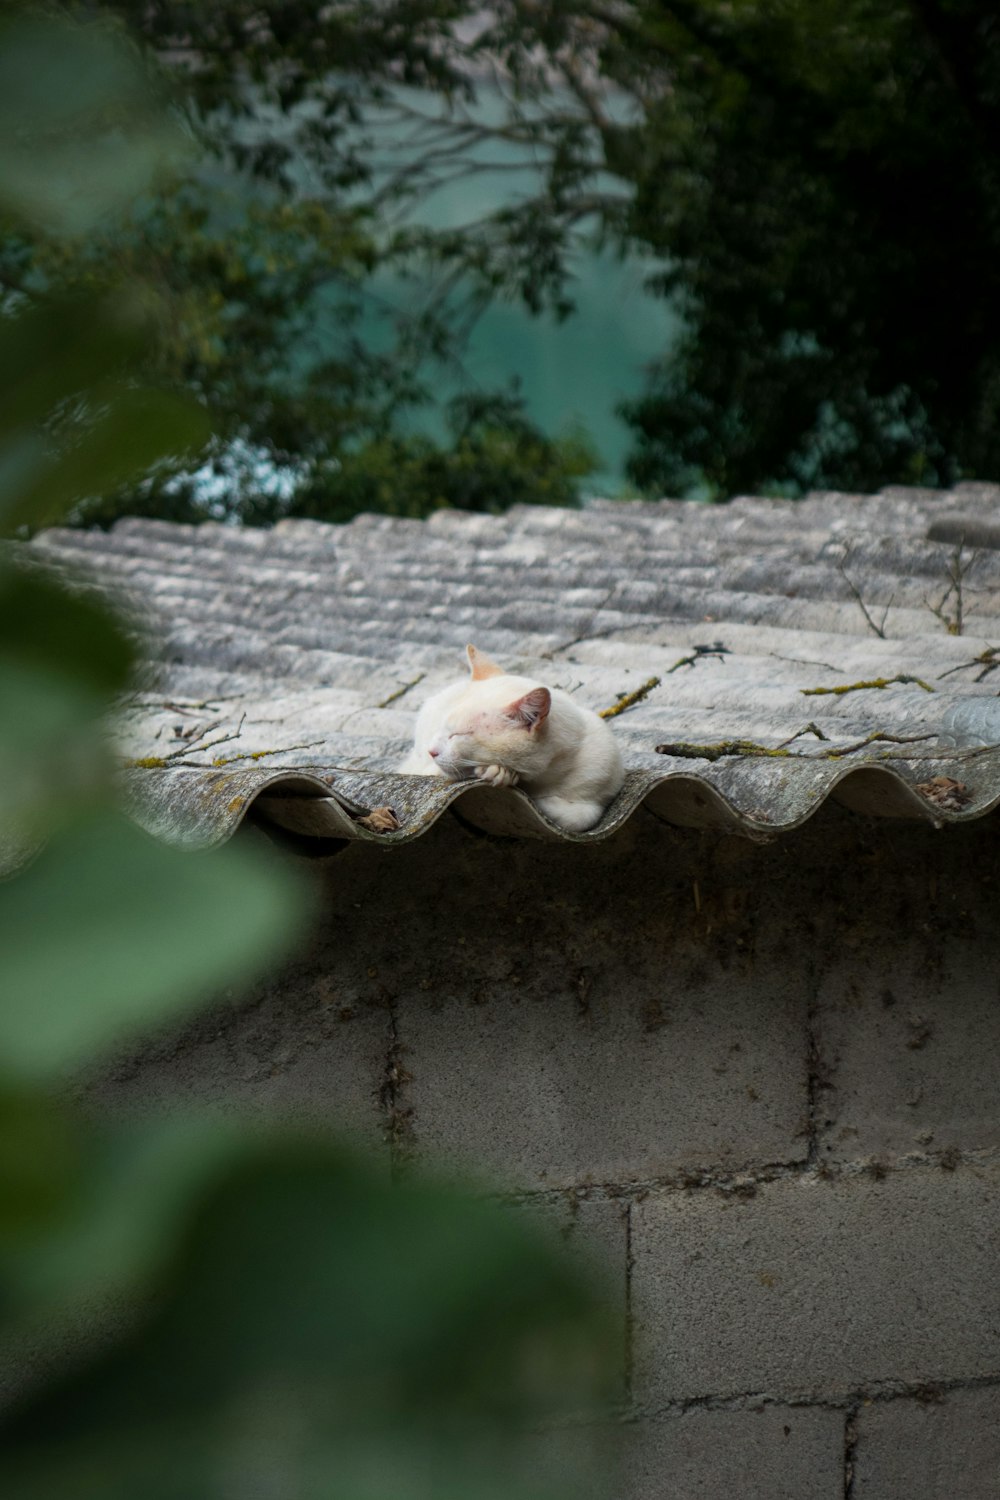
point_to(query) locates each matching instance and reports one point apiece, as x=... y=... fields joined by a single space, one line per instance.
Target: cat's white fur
x=505 y=730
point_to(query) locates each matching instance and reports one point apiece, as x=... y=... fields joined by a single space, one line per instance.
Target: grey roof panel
x=283 y=668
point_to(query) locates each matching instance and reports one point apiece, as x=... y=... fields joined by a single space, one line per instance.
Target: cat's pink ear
x=481 y=665
x=532 y=708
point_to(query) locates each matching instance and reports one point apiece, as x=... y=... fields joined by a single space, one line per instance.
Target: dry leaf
x=945 y=793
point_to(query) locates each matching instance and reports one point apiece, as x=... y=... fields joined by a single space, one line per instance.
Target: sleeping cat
x=511 y=731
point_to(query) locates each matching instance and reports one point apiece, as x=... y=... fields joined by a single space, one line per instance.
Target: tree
x=821 y=183
x=816 y=183
x=833 y=235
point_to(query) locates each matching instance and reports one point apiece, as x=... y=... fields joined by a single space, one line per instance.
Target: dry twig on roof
x=400 y=691
x=629 y=700
x=879 y=629
x=230 y=760
x=588 y=634
x=195 y=733
x=958 y=569
x=804 y=661
x=951 y=756
x=177 y=757
x=810 y=728
x=988 y=660
x=685 y=750
x=874 y=682
x=202 y=745
x=698 y=653
x=877 y=736
x=137 y=704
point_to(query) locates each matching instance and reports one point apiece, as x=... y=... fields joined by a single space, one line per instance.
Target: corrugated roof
x=285 y=666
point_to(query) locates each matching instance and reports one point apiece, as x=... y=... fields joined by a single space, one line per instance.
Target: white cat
x=508 y=731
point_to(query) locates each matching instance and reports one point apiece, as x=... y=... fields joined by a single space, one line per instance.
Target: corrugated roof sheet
x=285 y=666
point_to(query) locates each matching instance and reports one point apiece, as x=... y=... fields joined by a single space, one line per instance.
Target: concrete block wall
x=756 y=1083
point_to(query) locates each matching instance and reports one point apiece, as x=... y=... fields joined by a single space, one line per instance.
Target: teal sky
x=572 y=373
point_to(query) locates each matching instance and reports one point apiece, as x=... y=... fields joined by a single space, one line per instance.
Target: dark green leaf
x=109 y=933
x=131 y=432
x=40 y=1159
x=61 y=348
x=83 y=129
x=62 y=659
x=339 y=1335
x=49 y=630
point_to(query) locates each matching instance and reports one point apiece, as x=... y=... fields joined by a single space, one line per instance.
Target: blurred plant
x=191 y=1310
x=267 y=245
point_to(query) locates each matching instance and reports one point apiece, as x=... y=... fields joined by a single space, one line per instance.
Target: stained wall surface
x=756 y=1082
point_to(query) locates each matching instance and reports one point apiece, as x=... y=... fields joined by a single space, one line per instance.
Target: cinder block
x=593 y=1232
x=581 y=1015
x=771 y=1453
x=946 y=1449
x=561 y=1077
x=768 y=1453
x=909 y=1044
x=301 y=1054
x=816 y=1287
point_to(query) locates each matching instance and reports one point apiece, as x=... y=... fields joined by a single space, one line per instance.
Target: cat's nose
x=434 y=754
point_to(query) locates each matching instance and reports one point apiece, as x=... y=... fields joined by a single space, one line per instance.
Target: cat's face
x=499 y=720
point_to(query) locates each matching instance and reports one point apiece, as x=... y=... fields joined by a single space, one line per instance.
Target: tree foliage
x=821 y=183
x=832 y=233
x=816 y=184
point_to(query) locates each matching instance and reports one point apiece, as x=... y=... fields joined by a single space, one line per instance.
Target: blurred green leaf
x=109 y=933
x=48 y=718
x=46 y=628
x=230 y=1318
x=40 y=1158
x=130 y=433
x=325 y=1335
x=60 y=347
x=63 y=657
x=84 y=130
x=132 y=1192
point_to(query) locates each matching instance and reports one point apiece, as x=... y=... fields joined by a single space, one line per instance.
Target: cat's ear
x=531 y=709
x=481 y=665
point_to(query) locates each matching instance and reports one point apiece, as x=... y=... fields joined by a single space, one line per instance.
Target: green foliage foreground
x=191 y=1309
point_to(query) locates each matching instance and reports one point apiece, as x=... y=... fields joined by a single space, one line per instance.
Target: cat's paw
x=496 y=776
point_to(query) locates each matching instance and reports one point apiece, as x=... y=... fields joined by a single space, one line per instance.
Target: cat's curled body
x=506 y=730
